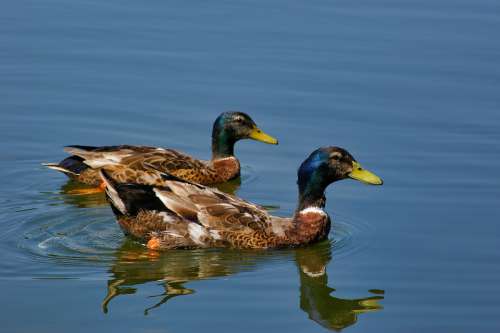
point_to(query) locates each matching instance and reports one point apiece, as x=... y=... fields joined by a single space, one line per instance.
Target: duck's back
x=129 y=164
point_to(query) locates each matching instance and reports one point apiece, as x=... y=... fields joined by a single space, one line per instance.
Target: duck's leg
x=86 y=191
x=154 y=243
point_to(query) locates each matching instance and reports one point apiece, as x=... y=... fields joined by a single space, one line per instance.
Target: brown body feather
x=132 y=164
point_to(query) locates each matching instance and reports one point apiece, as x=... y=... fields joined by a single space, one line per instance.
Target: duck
x=126 y=163
x=183 y=215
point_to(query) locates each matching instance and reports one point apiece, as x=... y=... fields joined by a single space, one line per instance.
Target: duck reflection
x=71 y=187
x=135 y=266
x=315 y=299
x=71 y=193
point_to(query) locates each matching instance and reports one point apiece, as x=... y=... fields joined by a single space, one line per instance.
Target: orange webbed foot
x=153 y=244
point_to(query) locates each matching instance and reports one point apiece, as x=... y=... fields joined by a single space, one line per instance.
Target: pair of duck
x=160 y=196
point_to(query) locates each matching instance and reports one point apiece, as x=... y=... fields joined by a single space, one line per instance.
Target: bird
x=183 y=215
x=125 y=163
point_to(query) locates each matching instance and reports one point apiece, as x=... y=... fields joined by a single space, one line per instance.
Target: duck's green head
x=325 y=166
x=230 y=127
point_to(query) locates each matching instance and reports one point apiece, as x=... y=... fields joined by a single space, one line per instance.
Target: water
x=410 y=88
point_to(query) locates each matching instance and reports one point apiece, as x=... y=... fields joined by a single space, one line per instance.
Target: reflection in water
x=135 y=266
x=315 y=299
x=81 y=201
x=98 y=199
x=229 y=187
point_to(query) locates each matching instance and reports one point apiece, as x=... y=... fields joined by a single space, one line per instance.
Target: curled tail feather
x=57 y=167
x=71 y=166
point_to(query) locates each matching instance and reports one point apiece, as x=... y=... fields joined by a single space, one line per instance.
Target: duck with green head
x=126 y=163
x=180 y=214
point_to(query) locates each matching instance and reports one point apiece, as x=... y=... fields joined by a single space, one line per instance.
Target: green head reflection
x=315 y=294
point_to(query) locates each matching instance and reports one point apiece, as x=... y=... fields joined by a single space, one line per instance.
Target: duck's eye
x=335 y=157
x=238 y=120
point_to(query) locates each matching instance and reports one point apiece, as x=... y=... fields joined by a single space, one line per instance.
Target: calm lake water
x=410 y=88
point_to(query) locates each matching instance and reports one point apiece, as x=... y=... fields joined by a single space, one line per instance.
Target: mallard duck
x=125 y=163
x=180 y=214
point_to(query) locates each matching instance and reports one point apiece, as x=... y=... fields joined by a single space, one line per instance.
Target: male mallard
x=180 y=214
x=127 y=163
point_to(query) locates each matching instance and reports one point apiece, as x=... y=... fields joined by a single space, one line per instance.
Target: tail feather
x=80 y=147
x=80 y=151
x=129 y=199
x=117 y=203
x=55 y=166
x=98 y=157
x=71 y=166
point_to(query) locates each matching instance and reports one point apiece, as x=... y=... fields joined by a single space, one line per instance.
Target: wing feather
x=136 y=157
x=213 y=209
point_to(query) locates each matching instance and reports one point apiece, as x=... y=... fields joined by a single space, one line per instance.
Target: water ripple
x=349 y=235
x=47 y=233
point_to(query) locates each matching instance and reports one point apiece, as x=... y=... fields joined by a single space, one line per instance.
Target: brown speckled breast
x=226 y=168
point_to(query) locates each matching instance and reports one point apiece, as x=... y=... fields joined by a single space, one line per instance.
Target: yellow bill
x=258 y=135
x=363 y=175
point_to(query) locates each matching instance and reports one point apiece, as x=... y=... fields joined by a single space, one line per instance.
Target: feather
x=112 y=194
x=312 y=210
x=197 y=232
x=176 y=204
x=55 y=166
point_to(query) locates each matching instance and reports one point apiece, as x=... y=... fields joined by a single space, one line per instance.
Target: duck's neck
x=222 y=143
x=312 y=223
x=311 y=202
x=311 y=194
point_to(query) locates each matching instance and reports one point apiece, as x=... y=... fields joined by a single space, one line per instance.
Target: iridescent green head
x=230 y=127
x=325 y=166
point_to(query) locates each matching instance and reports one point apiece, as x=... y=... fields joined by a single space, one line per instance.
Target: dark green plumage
x=316 y=173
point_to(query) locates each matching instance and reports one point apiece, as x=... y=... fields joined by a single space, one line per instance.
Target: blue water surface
x=410 y=88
